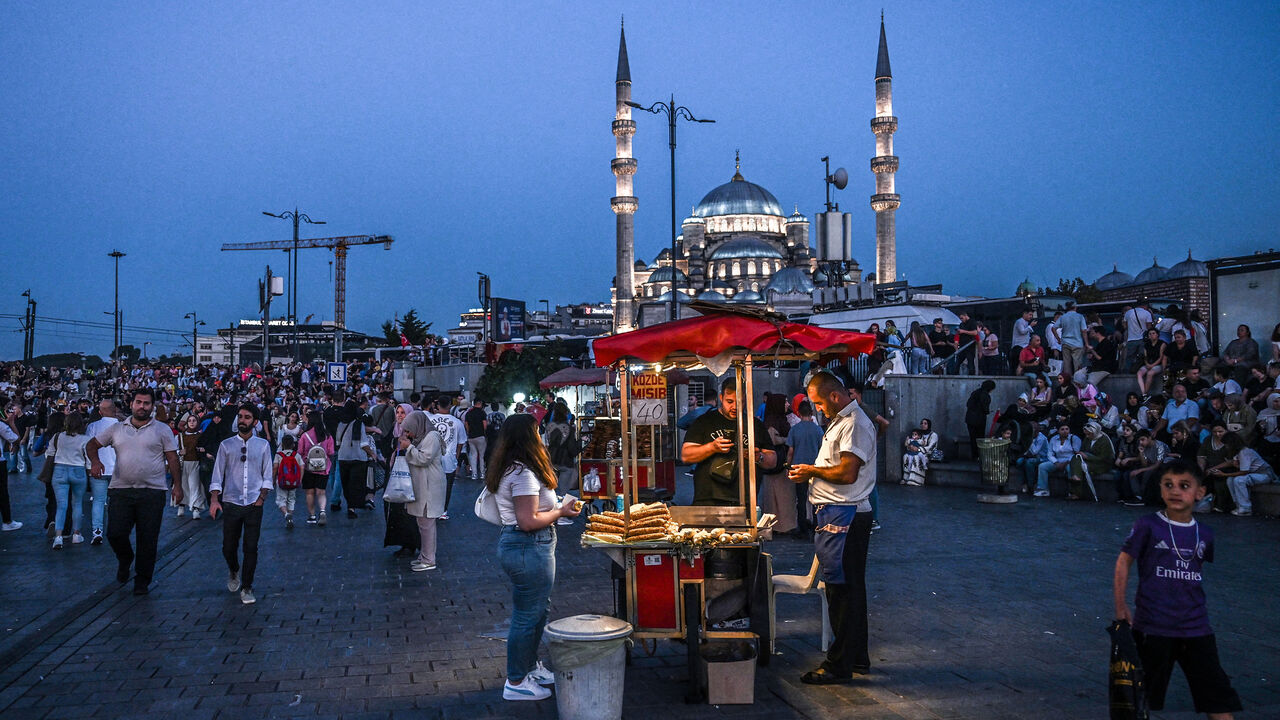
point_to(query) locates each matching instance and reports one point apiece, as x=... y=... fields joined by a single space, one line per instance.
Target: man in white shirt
x=1023 y=328
x=107 y=456
x=242 y=477
x=1137 y=320
x=454 y=435
x=1075 y=342
x=841 y=481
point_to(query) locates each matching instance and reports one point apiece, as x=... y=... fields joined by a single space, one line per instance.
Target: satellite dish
x=840 y=178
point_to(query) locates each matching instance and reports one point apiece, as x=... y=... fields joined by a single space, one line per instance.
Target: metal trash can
x=994 y=455
x=589 y=653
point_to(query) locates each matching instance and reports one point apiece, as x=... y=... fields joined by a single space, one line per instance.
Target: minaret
x=885 y=201
x=624 y=201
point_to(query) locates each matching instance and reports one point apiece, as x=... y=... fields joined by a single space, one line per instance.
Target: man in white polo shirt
x=840 y=484
x=145 y=448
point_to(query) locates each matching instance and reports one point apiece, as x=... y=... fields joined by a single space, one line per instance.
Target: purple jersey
x=1170 y=555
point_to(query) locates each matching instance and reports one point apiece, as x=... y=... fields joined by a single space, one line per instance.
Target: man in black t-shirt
x=1104 y=354
x=476 y=422
x=968 y=332
x=943 y=347
x=710 y=443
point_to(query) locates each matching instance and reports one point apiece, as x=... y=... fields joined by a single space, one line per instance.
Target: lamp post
x=673 y=113
x=116 y=339
x=295 y=216
x=194 y=334
x=144 y=349
x=29 y=338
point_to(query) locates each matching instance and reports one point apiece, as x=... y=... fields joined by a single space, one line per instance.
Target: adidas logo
x=1162 y=545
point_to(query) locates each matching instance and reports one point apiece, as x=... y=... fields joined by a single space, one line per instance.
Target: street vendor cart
x=697 y=574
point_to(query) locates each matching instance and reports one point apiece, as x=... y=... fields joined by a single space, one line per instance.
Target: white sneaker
x=541 y=675
x=418 y=566
x=246 y=597
x=76 y=539
x=1042 y=493
x=10 y=526
x=195 y=514
x=1241 y=512
x=526 y=689
x=233 y=582
x=179 y=513
x=443 y=516
x=57 y=543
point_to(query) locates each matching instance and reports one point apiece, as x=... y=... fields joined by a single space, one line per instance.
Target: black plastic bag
x=1126 y=686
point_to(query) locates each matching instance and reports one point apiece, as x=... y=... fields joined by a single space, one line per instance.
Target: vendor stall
x=697 y=573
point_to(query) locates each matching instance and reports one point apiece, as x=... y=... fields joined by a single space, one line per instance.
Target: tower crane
x=339 y=246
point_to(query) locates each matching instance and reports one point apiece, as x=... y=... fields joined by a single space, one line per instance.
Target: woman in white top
x=423 y=447
x=291 y=427
x=69 y=477
x=522 y=479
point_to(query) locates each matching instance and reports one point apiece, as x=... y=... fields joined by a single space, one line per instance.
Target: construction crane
x=339 y=247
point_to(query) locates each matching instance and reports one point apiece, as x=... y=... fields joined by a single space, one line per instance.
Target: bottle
x=618 y=502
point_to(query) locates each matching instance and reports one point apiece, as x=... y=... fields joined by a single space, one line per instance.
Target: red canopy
x=565 y=377
x=711 y=335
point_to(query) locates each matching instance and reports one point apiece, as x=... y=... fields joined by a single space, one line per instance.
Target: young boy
x=288 y=477
x=1171 y=622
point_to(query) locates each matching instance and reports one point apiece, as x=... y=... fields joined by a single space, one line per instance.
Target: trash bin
x=994 y=455
x=729 y=671
x=589 y=653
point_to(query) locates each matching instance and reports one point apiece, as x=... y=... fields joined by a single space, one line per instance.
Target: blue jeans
x=99 y=486
x=69 y=482
x=1028 y=467
x=333 y=490
x=529 y=559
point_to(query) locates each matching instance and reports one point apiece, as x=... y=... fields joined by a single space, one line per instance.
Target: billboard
x=507 y=320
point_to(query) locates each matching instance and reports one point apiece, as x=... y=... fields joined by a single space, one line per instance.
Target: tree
x=128 y=353
x=519 y=372
x=1082 y=291
x=415 y=331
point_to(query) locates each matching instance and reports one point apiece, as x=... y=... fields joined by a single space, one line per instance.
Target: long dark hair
x=519 y=444
x=315 y=422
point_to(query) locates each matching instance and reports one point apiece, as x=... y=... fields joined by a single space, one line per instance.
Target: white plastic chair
x=805 y=585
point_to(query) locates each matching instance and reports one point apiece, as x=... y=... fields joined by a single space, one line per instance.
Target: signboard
x=507 y=319
x=648 y=399
x=336 y=373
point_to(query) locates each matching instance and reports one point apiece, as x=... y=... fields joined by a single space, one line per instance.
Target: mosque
x=739 y=246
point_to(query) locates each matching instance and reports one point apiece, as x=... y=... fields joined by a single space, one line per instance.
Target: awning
x=566 y=377
x=711 y=335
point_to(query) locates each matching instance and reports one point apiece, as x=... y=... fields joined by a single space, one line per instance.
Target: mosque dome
x=1026 y=287
x=743 y=247
x=1188 y=268
x=712 y=296
x=747 y=297
x=663 y=274
x=663 y=254
x=797 y=217
x=1113 y=279
x=719 y=284
x=681 y=297
x=738 y=197
x=639 y=264
x=790 y=280
x=1155 y=273
x=820 y=277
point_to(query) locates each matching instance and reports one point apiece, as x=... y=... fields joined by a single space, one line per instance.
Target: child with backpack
x=288 y=476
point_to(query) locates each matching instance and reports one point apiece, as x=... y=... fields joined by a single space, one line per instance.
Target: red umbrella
x=710 y=335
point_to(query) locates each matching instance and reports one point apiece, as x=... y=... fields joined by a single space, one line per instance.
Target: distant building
x=242 y=343
x=1187 y=282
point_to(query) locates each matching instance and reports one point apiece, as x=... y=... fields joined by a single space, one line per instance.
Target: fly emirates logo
x=1182 y=571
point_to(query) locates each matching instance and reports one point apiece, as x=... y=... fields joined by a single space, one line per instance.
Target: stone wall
x=1194 y=291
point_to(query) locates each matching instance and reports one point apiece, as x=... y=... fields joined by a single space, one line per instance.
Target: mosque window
x=737 y=268
x=755 y=286
x=751 y=267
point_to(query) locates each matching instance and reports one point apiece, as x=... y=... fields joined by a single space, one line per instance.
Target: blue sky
x=1036 y=139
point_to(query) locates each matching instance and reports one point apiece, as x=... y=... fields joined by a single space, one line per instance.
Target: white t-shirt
x=851 y=432
x=450 y=429
x=519 y=481
x=1136 y=322
x=106 y=455
x=1022 y=333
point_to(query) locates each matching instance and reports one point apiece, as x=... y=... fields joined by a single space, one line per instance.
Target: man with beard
x=242 y=474
x=145 y=448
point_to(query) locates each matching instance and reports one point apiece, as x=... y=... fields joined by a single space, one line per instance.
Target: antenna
x=840 y=178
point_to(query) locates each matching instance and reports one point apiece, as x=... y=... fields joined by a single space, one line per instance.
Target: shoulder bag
x=487 y=507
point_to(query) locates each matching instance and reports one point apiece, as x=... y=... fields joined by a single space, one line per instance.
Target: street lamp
x=295 y=216
x=116 y=335
x=144 y=349
x=673 y=113
x=194 y=334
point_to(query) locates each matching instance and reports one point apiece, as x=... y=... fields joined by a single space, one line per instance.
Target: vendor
x=710 y=444
x=840 y=484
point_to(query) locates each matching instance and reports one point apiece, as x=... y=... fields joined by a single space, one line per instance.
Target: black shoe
x=335 y=507
x=141 y=589
x=122 y=575
x=823 y=676
x=368 y=505
x=351 y=514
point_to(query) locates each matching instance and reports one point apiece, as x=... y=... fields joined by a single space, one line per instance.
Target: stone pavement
x=978 y=611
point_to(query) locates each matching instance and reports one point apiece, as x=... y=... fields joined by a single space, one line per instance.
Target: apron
x=832 y=531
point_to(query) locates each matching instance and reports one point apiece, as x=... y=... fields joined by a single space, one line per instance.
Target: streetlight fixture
x=144 y=349
x=195 y=323
x=119 y=329
x=673 y=113
x=295 y=216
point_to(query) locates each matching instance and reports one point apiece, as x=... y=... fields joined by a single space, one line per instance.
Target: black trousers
x=128 y=508
x=355 y=481
x=847 y=604
x=6 y=514
x=976 y=431
x=240 y=520
x=448 y=486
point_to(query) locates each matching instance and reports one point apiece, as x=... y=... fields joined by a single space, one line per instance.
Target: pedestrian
x=242 y=476
x=976 y=409
x=454 y=435
x=107 y=415
x=8 y=434
x=189 y=449
x=840 y=486
x=1170 y=616
x=476 y=422
x=354 y=452
x=69 y=479
x=316 y=448
x=521 y=478
x=145 y=448
x=423 y=447
x=1136 y=321
x=287 y=475
x=1075 y=339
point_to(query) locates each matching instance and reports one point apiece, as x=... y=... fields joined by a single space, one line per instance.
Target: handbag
x=487 y=507
x=724 y=468
x=399 y=483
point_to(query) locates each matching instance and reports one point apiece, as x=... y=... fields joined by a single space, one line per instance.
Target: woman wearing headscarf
x=402 y=529
x=423 y=447
x=777 y=492
x=354 y=451
x=1096 y=456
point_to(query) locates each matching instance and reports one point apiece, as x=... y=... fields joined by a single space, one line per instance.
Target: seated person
x=1176 y=410
x=1142 y=481
x=1031 y=361
x=1240 y=419
x=712 y=444
x=1216 y=454
x=914 y=461
x=1224 y=383
x=1184 y=444
x=1181 y=354
x=1108 y=414
x=1128 y=459
x=1268 y=444
x=1096 y=457
x=1063 y=446
x=1038 y=452
x=1250 y=470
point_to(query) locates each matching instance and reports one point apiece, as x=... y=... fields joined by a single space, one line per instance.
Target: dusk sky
x=1039 y=140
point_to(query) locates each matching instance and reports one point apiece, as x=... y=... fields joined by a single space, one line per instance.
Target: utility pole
x=29 y=329
x=267 y=289
x=194 y=334
x=293 y=268
x=231 y=344
x=119 y=327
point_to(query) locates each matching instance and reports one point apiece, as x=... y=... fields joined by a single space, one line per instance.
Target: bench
x=1266 y=499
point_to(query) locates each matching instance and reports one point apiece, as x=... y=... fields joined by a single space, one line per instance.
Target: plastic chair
x=805 y=585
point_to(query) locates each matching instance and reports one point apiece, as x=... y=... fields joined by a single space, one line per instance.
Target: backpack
x=289 y=474
x=317 y=459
